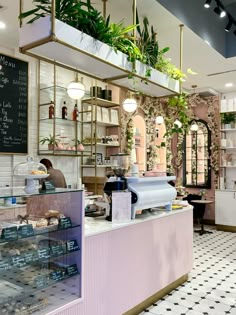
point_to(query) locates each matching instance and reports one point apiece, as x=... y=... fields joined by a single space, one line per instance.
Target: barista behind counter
x=55 y=175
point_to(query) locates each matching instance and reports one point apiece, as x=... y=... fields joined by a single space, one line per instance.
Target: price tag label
x=44 y=253
x=64 y=223
x=31 y=256
x=10 y=234
x=48 y=185
x=72 y=270
x=56 y=275
x=72 y=246
x=5 y=265
x=57 y=250
x=25 y=231
x=18 y=261
x=41 y=281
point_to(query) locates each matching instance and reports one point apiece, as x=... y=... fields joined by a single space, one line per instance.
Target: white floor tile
x=167 y=307
x=211 y=287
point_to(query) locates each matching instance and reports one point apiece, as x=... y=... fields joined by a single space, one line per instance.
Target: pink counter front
x=126 y=264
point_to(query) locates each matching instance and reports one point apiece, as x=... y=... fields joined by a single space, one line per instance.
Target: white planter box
x=81 y=51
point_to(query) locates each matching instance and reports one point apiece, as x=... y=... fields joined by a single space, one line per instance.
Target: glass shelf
x=101 y=123
x=100 y=102
x=228 y=129
x=37 y=232
x=60 y=89
x=64 y=152
x=59 y=121
x=19 y=192
x=93 y=166
x=29 y=290
x=101 y=144
x=228 y=166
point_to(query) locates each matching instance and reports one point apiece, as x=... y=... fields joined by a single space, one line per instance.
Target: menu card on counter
x=121 y=206
x=13 y=105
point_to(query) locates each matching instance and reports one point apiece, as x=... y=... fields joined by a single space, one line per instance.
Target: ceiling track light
x=207 y=4
x=220 y=12
x=229 y=25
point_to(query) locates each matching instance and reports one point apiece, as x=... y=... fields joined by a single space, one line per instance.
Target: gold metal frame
x=52 y=38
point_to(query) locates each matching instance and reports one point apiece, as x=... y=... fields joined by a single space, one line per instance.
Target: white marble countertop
x=93 y=226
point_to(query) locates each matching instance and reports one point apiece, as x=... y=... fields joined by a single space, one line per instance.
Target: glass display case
x=41 y=251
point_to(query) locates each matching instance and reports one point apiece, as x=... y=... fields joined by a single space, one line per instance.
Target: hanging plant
x=129 y=136
x=177 y=108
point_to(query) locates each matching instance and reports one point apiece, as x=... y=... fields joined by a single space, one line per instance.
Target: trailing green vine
x=129 y=136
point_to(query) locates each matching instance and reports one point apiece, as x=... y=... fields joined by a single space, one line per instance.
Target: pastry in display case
x=40 y=253
x=30 y=171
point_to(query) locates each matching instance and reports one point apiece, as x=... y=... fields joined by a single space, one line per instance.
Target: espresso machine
x=120 y=164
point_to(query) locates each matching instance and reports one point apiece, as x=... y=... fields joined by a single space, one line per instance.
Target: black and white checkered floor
x=211 y=288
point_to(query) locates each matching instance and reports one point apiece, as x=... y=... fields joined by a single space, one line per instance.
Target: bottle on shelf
x=51 y=110
x=75 y=113
x=64 y=111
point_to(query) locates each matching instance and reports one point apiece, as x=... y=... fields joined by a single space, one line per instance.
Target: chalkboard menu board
x=13 y=105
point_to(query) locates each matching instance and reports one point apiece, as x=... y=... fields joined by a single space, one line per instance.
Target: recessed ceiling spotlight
x=2 y=25
x=206 y=41
x=230 y=84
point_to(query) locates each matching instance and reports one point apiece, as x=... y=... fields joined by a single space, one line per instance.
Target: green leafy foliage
x=50 y=140
x=227 y=118
x=179 y=109
x=84 y=17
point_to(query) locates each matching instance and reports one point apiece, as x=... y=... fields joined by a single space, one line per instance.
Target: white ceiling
x=197 y=55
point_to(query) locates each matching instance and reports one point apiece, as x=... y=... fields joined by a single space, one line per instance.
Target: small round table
x=203 y=204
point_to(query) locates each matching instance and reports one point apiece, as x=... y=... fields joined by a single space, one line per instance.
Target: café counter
x=128 y=266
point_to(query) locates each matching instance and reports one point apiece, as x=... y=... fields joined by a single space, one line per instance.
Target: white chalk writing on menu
x=13 y=105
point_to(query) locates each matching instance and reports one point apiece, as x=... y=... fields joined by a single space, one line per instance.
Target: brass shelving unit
x=97 y=104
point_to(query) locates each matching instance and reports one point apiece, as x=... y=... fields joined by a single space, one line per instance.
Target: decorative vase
x=80 y=147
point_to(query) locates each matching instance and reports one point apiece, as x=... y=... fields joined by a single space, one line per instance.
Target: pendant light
x=159 y=120
x=178 y=123
x=130 y=104
x=194 y=126
x=76 y=89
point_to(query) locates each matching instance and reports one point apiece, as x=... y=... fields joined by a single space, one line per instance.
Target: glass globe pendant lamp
x=130 y=104
x=76 y=89
x=194 y=126
x=178 y=123
x=159 y=120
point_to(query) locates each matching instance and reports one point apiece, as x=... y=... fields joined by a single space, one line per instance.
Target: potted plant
x=52 y=141
x=96 y=36
x=228 y=120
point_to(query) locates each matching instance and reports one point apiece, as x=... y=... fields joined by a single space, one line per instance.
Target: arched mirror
x=196 y=157
x=138 y=154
